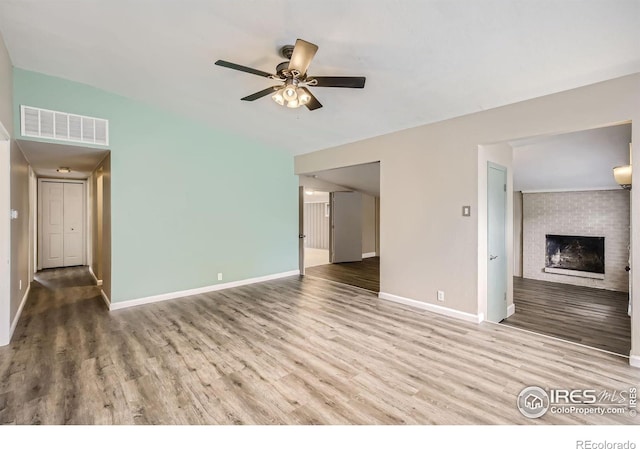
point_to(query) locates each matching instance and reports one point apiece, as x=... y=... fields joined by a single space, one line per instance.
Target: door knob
x=301 y=236
x=492 y=257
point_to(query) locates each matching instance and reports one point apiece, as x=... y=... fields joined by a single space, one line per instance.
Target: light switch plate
x=466 y=211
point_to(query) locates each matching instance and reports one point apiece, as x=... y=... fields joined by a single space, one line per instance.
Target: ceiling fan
x=294 y=92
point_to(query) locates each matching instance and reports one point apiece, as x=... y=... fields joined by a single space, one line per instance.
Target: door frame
x=84 y=214
x=301 y=235
x=504 y=170
x=5 y=236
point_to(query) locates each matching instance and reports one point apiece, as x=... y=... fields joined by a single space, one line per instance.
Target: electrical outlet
x=440 y=295
x=219 y=276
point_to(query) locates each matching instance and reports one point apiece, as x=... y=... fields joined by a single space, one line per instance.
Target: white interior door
x=73 y=218
x=52 y=250
x=346 y=227
x=62 y=224
x=496 y=243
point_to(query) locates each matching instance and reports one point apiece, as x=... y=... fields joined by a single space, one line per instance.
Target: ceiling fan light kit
x=293 y=93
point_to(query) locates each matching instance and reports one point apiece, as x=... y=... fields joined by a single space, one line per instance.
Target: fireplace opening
x=575 y=255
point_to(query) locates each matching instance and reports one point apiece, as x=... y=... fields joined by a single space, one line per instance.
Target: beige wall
x=427 y=173
x=5 y=239
x=19 y=228
x=100 y=186
x=517 y=234
x=6 y=130
x=19 y=188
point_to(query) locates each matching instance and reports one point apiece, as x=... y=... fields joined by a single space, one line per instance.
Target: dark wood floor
x=590 y=316
x=291 y=351
x=364 y=274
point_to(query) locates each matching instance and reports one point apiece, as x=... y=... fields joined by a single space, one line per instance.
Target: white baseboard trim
x=198 y=291
x=367 y=255
x=433 y=308
x=634 y=360
x=511 y=310
x=95 y=278
x=19 y=312
x=105 y=298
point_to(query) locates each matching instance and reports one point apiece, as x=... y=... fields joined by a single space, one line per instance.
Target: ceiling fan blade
x=231 y=65
x=313 y=103
x=303 y=53
x=262 y=93
x=356 y=82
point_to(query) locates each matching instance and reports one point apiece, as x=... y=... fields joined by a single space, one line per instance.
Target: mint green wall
x=187 y=200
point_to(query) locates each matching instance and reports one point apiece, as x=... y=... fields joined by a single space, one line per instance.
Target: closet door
x=52 y=219
x=62 y=224
x=73 y=219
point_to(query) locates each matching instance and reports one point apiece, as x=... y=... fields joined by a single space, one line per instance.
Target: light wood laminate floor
x=292 y=351
x=589 y=316
x=364 y=274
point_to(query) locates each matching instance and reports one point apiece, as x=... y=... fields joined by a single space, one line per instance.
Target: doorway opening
x=70 y=199
x=570 y=238
x=62 y=223
x=340 y=214
x=317 y=217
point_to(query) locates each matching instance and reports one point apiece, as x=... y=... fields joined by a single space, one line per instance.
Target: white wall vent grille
x=37 y=122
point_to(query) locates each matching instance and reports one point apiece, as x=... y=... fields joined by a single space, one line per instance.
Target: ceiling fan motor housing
x=282 y=67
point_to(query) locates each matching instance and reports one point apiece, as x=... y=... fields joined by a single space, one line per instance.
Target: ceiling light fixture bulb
x=278 y=98
x=303 y=97
x=290 y=93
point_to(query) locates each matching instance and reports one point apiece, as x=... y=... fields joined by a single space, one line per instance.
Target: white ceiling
x=363 y=178
x=45 y=158
x=573 y=161
x=424 y=61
